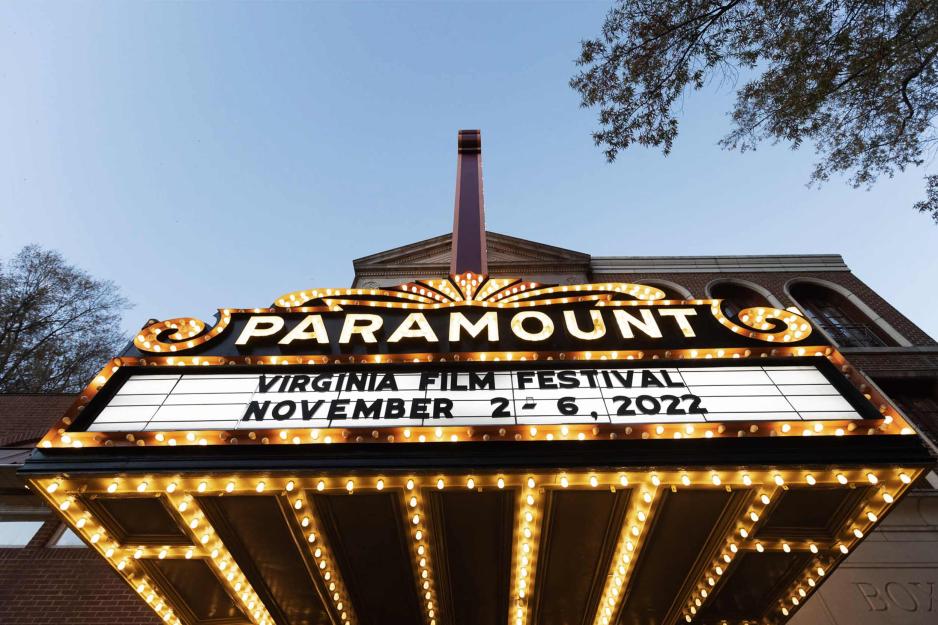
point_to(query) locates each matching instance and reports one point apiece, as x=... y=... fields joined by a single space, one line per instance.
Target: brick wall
x=42 y=585
x=775 y=282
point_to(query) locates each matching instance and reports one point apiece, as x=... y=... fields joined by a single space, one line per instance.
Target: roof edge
x=718 y=264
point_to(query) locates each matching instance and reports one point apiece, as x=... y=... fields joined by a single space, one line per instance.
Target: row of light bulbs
x=886 y=486
x=476 y=482
x=458 y=434
x=624 y=560
x=205 y=545
x=469 y=287
x=317 y=543
x=527 y=539
x=743 y=533
x=416 y=521
x=223 y=563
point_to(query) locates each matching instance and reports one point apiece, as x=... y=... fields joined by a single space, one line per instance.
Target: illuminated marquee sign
x=433 y=396
x=470 y=357
x=473 y=316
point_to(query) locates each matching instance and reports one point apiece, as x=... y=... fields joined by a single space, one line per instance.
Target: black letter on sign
x=299 y=383
x=481 y=381
x=284 y=410
x=256 y=410
x=442 y=408
x=367 y=410
x=267 y=385
x=337 y=408
x=395 y=408
x=309 y=409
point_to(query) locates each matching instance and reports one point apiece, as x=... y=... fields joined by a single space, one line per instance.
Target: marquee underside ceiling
x=542 y=546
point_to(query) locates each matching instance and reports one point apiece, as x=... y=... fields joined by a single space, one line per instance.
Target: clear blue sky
x=219 y=154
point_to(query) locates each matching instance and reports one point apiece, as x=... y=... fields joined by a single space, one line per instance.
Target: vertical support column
x=469 y=248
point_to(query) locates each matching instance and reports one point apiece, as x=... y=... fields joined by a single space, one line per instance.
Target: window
x=17 y=533
x=838 y=317
x=68 y=538
x=736 y=297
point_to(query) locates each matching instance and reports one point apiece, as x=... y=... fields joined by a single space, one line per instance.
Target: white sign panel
x=376 y=398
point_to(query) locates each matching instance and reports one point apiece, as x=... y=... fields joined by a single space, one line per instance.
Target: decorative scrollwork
x=470 y=288
x=765 y=323
x=182 y=333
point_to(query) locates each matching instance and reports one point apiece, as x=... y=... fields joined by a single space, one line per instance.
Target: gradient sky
x=203 y=155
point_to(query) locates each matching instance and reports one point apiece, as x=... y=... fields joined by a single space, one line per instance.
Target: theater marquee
x=593 y=453
x=486 y=395
x=471 y=358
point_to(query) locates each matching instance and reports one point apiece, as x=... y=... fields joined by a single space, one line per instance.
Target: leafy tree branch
x=857 y=79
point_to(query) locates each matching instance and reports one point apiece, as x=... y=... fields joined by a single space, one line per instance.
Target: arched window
x=839 y=317
x=672 y=290
x=737 y=296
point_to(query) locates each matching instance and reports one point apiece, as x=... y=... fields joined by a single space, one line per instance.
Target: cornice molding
x=431 y=257
x=717 y=264
x=439 y=249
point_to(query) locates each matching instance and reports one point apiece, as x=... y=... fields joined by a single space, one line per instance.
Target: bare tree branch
x=58 y=325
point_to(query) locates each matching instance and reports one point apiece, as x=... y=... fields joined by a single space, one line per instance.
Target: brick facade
x=775 y=283
x=42 y=585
